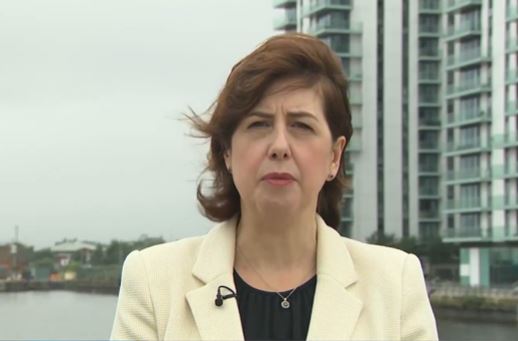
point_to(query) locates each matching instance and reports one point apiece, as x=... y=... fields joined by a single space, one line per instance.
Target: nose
x=279 y=148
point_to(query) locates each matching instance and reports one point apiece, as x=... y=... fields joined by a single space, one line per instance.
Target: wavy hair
x=310 y=63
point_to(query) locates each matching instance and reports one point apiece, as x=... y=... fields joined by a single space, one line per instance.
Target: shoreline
x=465 y=308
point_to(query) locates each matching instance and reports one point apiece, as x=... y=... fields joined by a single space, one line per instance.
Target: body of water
x=70 y=315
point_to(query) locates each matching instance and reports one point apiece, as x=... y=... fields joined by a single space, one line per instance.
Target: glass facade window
x=428 y=162
x=429 y=4
x=428 y=230
x=428 y=23
x=469 y=48
x=503 y=265
x=469 y=196
x=428 y=208
x=469 y=163
x=469 y=77
x=428 y=47
x=338 y=42
x=428 y=139
x=337 y=19
x=429 y=116
x=428 y=186
x=429 y=70
x=469 y=136
x=469 y=107
x=470 y=20
x=428 y=93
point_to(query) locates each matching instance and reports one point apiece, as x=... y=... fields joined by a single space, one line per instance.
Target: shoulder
x=171 y=254
x=381 y=261
x=362 y=251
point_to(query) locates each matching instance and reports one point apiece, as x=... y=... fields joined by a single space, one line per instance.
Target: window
x=428 y=23
x=428 y=162
x=470 y=221
x=428 y=47
x=429 y=70
x=469 y=136
x=470 y=195
x=469 y=107
x=469 y=162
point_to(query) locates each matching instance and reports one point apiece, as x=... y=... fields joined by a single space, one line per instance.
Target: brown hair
x=310 y=62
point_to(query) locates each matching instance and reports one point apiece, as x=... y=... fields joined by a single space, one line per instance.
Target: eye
x=258 y=124
x=302 y=125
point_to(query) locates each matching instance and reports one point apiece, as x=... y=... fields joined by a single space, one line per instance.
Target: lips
x=278 y=176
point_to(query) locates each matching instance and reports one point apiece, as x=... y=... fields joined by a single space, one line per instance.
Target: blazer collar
x=335 y=309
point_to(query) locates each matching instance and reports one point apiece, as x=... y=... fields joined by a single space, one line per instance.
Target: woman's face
x=282 y=152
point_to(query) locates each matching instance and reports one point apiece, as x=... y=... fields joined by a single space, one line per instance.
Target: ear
x=227 y=157
x=338 y=148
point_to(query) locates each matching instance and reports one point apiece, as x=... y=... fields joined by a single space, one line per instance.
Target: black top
x=263 y=318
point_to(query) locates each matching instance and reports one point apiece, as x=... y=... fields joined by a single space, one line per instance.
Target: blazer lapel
x=214 y=267
x=335 y=309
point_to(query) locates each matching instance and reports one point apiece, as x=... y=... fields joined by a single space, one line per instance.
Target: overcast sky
x=91 y=92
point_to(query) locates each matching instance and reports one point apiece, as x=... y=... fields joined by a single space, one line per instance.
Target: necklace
x=285 y=304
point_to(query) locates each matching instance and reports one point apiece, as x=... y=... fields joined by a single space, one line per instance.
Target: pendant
x=285 y=304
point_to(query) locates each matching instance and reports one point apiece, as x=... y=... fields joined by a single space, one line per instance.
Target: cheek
x=247 y=157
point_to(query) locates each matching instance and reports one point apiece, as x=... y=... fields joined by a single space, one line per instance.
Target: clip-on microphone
x=219 y=298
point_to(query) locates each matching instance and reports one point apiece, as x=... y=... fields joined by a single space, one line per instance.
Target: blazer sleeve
x=417 y=319
x=134 y=317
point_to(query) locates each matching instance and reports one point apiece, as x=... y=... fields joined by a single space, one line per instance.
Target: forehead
x=289 y=95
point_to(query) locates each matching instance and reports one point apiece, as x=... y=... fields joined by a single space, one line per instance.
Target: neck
x=278 y=243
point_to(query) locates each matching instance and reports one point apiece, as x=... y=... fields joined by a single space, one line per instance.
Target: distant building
x=433 y=89
x=68 y=249
x=14 y=260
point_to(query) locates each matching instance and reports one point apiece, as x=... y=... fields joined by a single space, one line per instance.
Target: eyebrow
x=290 y=114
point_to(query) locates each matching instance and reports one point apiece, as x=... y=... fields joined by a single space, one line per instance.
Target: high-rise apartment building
x=433 y=86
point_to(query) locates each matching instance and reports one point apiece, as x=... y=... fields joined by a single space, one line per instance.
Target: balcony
x=428 y=96
x=467 y=234
x=345 y=51
x=429 y=171
x=349 y=168
x=284 y=3
x=466 y=59
x=505 y=233
x=287 y=21
x=512 y=13
x=430 y=8
x=356 y=121
x=505 y=140
x=511 y=45
x=429 y=192
x=427 y=76
x=429 y=31
x=454 y=5
x=466 y=147
x=429 y=122
x=510 y=172
x=511 y=108
x=324 y=6
x=502 y=202
x=468 y=175
x=355 y=100
x=473 y=205
x=326 y=27
x=512 y=77
x=354 y=145
x=429 y=215
x=467 y=88
x=468 y=117
x=429 y=52
x=465 y=29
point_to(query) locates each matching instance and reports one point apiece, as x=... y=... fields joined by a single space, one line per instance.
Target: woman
x=275 y=267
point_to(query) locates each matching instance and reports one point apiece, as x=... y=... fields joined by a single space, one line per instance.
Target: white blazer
x=363 y=292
